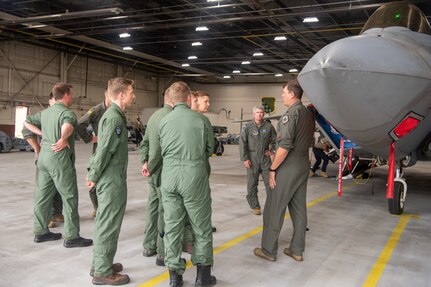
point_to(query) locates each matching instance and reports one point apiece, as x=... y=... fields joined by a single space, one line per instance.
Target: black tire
x=1 y=147
x=396 y=206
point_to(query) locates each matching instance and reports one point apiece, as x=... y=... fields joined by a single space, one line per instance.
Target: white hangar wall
x=27 y=74
x=229 y=99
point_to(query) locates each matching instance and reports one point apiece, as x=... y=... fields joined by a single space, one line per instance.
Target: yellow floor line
x=379 y=266
x=164 y=276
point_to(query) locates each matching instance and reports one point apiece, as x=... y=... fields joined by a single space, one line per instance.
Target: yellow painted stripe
x=379 y=266
x=165 y=276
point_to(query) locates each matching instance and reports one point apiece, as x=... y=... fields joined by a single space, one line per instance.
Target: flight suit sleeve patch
x=255 y=133
x=284 y=119
x=118 y=130
x=243 y=129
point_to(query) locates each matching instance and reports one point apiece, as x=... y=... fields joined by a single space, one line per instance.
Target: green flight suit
x=57 y=204
x=187 y=142
x=295 y=131
x=92 y=117
x=108 y=169
x=56 y=171
x=151 y=153
x=253 y=142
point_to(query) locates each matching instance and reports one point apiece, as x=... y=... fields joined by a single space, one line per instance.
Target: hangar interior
x=249 y=49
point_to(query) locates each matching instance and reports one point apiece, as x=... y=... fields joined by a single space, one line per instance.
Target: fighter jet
x=375 y=89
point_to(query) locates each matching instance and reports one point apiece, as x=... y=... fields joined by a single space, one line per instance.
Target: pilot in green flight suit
x=108 y=170
x=56 y=165
x=255 y=140
x=92 y=117
x=151 y=159
x=288 y=177
x=186 y=142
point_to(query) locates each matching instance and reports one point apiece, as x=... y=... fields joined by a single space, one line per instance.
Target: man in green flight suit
x=288 y=177
x=58 y=146
x=151 y=159
x=108 y=170
x=92 y=117
x=187 y=143
x=254 y=145
x=34 y=140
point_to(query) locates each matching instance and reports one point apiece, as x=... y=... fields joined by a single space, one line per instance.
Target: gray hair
x=258 y=108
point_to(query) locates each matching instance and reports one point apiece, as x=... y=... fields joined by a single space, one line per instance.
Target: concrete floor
x=352 y=241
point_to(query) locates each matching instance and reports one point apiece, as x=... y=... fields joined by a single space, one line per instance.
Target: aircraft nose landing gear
x=396 y=205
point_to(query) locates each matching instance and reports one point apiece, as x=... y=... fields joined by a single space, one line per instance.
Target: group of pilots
x=175 y=153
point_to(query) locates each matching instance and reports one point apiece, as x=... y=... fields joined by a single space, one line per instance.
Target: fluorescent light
x=293 y=70
x=202 y=28
x=185 y=65
x=192 y=57
x=236 y=72
x=124 y=35
x=127 y=48
x=310 y=20
x=257 y=54
x=214 y=0
x=245 y=62
x=196 y=44
x=280 y=38
x=279 y=75
x=35 y=26
x=227 y=77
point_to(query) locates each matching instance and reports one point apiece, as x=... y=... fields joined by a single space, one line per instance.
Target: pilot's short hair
x=256 y=108
x=202 y=94
x=179 y=91
x=295 y=87
x=117 y=86
x=60 y=89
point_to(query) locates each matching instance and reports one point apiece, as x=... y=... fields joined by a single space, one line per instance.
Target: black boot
x=175 y=280
x=204 y=277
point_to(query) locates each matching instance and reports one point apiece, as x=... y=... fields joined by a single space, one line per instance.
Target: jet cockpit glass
x=398 y=14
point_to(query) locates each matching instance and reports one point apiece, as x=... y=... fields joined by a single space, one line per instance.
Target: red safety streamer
x=391 y=172
x=349 y=159
x=340 y=168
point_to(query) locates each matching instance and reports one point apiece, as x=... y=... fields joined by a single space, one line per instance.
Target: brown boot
x=259 y=253
x=116 y=267
x=294 y=257
x=256 y=211
x=52 y=224
x=57 y=218
x=113 y=279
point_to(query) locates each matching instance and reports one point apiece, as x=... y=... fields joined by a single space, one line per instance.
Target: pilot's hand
x=272 y=183
x=94 y=139
x=145 y=171
x=247 y=164
x=60 y=145
x=90 y=184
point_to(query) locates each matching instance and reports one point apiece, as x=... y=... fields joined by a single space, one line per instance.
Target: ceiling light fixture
x=293 y=70
x=192 y=57
x=202 y=28
x=196 y=44
x=185 y=65
x=257 y=54
x=214 y=0
x=127 y=48
x=310 y=20
x=124 y=35
x=279 y=75
x=245 y=62
x=227 y=77
x=280 y=38
x=236 y=71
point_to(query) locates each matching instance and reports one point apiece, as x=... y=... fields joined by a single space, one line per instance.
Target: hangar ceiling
x=163 y=37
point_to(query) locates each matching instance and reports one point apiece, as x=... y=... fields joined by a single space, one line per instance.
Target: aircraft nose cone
x=366 y=83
